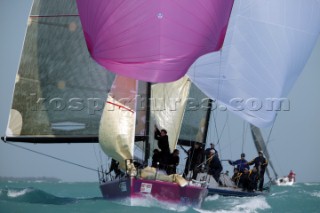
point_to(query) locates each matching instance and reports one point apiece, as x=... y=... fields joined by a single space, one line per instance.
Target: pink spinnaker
x=153 y=40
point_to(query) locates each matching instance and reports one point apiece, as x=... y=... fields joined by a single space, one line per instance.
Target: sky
x=294 y=141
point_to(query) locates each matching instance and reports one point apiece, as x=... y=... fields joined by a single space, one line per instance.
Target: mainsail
x=265 y=49
x=59 y=91
x=154 y=41
x=196 y=118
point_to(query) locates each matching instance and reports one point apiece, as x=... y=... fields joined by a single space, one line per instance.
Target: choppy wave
x=32 y=195
x=257 y=203
x=83 y=197
x=18 y=192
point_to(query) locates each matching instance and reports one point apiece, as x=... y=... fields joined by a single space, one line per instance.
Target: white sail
x=168 y=102
x=117 y=125
x=15 y=125
x=266 y=48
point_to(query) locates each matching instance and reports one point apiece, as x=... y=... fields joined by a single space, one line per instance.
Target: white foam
x=242 y=205
x=315 y=194
x=17 y=193
x=279 y=193
x=218 y=211
x=149 y=201
x=212 y=197
x=311 y=184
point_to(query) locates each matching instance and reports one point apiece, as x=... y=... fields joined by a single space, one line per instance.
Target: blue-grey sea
x=47 y=197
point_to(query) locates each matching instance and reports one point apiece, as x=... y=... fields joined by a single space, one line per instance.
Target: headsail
x=182 y=109
x=59 y=90
x=266 y=47
x=117 y=126
x=154 y=41
x=168 y=102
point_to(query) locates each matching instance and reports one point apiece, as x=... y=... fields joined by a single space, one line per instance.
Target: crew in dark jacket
x=261 y=164
x=163 y=140
x=163 y=144
x=215 y=167
x=194 y=160
x=156 y=158
x=173 y=162
x=253 y=179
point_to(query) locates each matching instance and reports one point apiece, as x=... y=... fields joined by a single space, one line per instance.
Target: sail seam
x=120 y=106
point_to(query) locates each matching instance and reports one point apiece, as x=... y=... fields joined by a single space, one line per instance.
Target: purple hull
x=131 y=187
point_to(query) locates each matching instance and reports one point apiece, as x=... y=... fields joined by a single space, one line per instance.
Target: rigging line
x=269 y=135
x=95 y=154
x=229 y=140
x=218 y=95
x=244 y=133
x=50 y=156
x=223 y=128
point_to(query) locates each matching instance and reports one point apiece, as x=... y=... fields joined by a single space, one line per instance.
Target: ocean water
x=47 y=197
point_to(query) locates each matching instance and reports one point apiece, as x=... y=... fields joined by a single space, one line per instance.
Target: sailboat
x=62 y=83
x=288 y=180
x=64 y=94
x=140 y=181
x=229 y=187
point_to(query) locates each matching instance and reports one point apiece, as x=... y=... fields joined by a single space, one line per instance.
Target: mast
x=147 y=125
x=260 y=145
x=205 y=134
